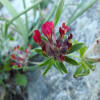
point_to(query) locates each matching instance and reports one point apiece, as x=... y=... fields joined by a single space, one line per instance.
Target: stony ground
x=64 y=87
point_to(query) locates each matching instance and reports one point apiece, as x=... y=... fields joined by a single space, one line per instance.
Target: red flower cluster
x=47 y=29
x=56 y=48
x=20 y=56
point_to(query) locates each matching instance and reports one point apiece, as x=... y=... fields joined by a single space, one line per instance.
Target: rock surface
x=55 y=86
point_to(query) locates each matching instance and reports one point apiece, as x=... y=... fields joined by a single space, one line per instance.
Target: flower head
x=37 y=37
x=47 y=29
x=56 y=48
x=63 y=30
x=20 y=56
x=13 y=56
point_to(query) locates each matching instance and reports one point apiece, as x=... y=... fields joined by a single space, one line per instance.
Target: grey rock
x=55 y=86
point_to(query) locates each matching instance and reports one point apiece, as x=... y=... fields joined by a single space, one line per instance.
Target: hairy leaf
x=64 y=69
x=82 y=51
x=75 y=47
x=92 y=67
x=47 y=68
x=71 y=61
x=21 y=80
x=46 y=62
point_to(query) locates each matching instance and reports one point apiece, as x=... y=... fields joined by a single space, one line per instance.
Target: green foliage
x=21 y=79
x=75 y=47
x=46 y=62
x=82 y=50
x=91 y=66
x=58 y=67
x=47 y=68
x=19 y=21
x=71 y=61
x=78 y=13
x=3 y=76
x=59 y=12
x=64 y=69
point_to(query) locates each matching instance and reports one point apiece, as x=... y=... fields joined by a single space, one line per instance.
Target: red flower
x=43 y=46
x=66 y=28
x=37 y=37
x=63 y=30
x=47 y=29
x=18 y=65
x=69 y=45
x=16 y=48
x=13 y=57
x=62 y=58
x=12 y=63
x=58 y=43
x=20 y=59
x=26 y=52
x=70 y=37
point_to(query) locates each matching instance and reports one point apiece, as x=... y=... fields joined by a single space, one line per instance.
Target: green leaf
x=81 y=72
x=11 y=38
x=84 y=65
x=86 y=69
x=33 y=54
x=82 y=51
x=59 y=12
x=7 y=66
x=78 y=72
x=56 y=65
x=5 y=29
x=20 y=25
x=1 y=81
x=26 y=15
x=45 y=62
x=15 y=67
x=44 y=38
x=71 y=61
x=63 y=67
x=21 y=80
x=38 y=50
x=47 y=69
x=79 y=13
x=92 y=67
x=75 y=47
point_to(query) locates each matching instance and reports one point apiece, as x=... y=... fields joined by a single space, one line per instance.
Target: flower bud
x=47 y=29
x=37 y=37
x=13 y=57
x=70 y=37
x=63 y=30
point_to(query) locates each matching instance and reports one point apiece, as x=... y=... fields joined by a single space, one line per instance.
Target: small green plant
x=59 y=50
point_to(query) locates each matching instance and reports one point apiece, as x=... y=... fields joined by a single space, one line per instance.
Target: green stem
x=51 y=13
x=48 y=17
x=72 y=16
x=4 y=19
x=74 y=56
x=82 y=11
x=94 y=60
x=36 y=63
x=23 y=12
x=26 y=16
